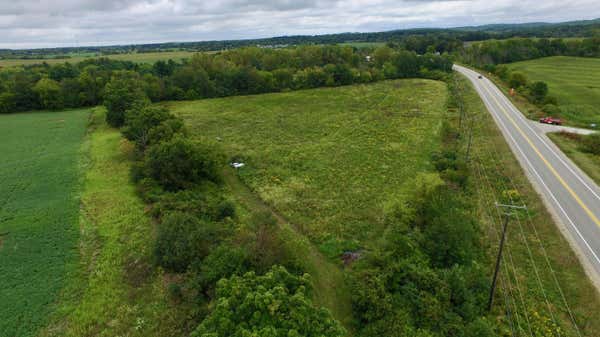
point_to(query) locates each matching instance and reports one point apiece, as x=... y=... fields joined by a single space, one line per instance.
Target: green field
x=575 y=81
x=328 y=159
x=39 y=214
x=570 y=145
x=115 y=289
x=324 y=162
x=134 y=57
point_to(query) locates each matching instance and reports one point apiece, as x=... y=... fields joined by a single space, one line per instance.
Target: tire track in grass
x=329 y=287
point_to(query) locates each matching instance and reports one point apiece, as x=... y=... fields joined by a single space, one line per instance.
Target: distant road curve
x=570 y=195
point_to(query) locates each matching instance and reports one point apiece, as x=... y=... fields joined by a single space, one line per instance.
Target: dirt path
x=329 y=285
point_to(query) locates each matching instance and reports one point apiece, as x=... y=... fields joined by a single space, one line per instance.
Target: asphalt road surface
x=572 y=197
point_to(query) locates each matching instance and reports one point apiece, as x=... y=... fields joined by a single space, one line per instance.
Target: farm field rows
x=574 y=81
x=133 y=57
x=39 y=214
x=328 y=159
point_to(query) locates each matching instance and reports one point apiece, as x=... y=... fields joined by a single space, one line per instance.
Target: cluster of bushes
x=427 y=278
x=536 y=91
x=200 y=236
x=591 y=143
x=249 y=70
x=493 y=52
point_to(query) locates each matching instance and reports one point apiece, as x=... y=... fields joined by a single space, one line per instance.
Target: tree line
x=236 y=72
x=585 y=28
x=492 y=52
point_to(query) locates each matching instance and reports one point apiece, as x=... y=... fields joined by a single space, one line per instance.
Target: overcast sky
x=53 y=23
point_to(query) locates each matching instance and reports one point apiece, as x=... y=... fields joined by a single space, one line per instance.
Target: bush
x=175 y=292
x=222 y=262
x=276 y=304
x=49 y=92
x=140 y=120
x=551 y=109
x=225 y=209
x=591 y=143
x=166 y=130
x=122 y=93
x=517 y=80
x=205 y=202
x=550 y=100
x=181 y=163
x=183 y=239
x=8 y=103
x=502 y=72
x=538 y=91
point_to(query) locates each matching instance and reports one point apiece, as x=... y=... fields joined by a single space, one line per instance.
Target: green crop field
x=328 y=159
x=39 y=210
x=134 y=57
x=575 y=81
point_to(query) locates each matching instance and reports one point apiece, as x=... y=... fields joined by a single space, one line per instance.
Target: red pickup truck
x=551 y=120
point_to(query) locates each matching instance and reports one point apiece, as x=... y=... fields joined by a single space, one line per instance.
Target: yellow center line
x=560 y=179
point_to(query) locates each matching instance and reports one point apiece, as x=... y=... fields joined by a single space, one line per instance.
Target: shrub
x=122 y=93
x=538 y=91
x=175 y=292
x=502 y=72
x=165 y=131
x=49 y=92
x=550 y=100
x=140 y=120
x=183 y=239
x=225 y=209
x=181 y=163
x=591 y=143
x=203 y=202
x=8 y=103
x=517 y=80
x=551 y=109
x=222 y=262
x=276 y=304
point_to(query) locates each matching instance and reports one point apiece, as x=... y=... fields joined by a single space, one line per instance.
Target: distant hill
x=581 y=28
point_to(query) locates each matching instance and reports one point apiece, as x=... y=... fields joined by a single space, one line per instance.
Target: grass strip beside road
x=569 y=144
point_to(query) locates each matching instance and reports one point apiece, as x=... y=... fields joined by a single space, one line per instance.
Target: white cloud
x=35 y=23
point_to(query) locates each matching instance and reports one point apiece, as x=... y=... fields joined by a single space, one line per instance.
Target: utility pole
x=470 y=141
x=499 y=258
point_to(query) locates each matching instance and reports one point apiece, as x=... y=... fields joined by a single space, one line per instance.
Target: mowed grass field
x=39 y=214
x=134 y=57
x=575 y=81
x=328 y=159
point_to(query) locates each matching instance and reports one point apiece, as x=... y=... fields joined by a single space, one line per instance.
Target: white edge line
x=553 y=151
x=540 y=178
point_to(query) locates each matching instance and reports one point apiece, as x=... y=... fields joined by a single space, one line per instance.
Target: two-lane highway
x=572 y=197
